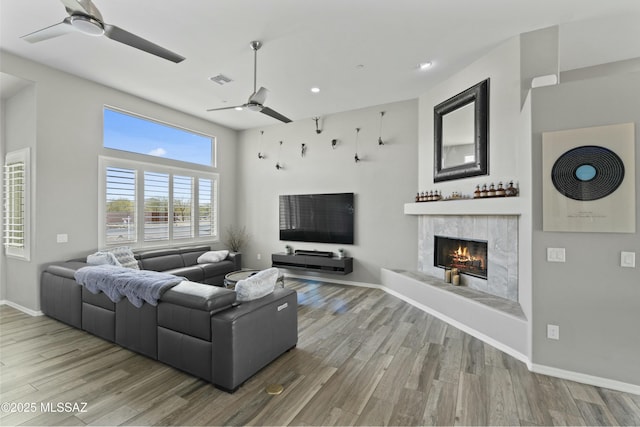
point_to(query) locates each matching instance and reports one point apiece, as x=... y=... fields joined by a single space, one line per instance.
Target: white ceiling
x=358 y=52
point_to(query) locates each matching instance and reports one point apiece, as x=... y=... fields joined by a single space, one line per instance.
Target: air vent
x=220 y=79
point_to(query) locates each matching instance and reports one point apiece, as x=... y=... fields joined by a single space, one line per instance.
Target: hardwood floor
x=363 y=358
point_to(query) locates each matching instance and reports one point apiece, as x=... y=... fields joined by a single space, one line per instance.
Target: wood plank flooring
x=363 y=358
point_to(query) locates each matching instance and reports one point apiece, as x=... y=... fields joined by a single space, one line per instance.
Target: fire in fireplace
x=468 y=256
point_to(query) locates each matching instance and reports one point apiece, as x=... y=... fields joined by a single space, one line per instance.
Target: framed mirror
x=461 y=134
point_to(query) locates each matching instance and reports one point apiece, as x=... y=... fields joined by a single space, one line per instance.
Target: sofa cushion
x=190 y=254
x=260 y=284
x=161 y=259
x=212 y=256
x=100 y=258
x=124 y=256
x=193 y=273
x=199 y=296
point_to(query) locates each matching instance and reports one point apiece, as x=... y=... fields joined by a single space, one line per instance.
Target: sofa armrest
x=236 y=257
x=65 y=269
x=249 y=336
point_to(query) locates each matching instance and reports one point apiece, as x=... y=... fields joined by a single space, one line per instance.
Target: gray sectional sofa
x=197 y=327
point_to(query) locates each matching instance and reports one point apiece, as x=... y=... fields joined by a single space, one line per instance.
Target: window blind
x=14 y=205
x=182 y=207
x=121 y=205
x=156 y=206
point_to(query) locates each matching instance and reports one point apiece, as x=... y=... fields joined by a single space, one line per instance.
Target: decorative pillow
x=102 y=258
x=212 y=256
x=125 y=257
x=260 y=284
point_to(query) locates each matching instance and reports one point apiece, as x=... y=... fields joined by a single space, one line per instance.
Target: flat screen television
x=322 y=218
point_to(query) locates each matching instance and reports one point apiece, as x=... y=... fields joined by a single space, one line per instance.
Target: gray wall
x=68 y=141
x=383 y=181
x=595 y=302
x=19 y=131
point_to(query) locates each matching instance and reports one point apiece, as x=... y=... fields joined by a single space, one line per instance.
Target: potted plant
x=236 y=238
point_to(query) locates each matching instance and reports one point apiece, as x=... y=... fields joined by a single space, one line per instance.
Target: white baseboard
x=331 y=280
x=586 y=379
x=21 y=308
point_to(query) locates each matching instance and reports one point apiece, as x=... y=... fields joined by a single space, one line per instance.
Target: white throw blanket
x=138 y=286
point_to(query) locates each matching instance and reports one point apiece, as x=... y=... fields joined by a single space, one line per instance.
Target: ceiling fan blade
x=125 y=37
x=226 y=108
x=271 y=113
x=55 y=30
x=83 y=7
x=258 y=97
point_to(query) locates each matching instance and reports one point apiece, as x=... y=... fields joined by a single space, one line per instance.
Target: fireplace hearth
x=468 y=256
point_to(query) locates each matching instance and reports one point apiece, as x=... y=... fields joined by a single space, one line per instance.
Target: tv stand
x=321 y=264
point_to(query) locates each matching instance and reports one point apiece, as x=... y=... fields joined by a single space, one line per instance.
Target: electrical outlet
x=259 y=256
x=62 y=238
x=553 y=332
x=628 y=259
x=555 y=254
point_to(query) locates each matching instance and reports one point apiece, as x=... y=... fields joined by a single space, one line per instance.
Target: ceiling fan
x=257 y=98
x=85 y=17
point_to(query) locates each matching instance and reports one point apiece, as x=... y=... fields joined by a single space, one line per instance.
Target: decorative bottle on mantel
x=492 y=191
x=476 y=194
x=483 y=193
x=511 y=190
x=500 y=191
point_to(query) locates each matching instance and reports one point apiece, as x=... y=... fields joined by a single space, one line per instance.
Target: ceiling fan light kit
x=87 y=25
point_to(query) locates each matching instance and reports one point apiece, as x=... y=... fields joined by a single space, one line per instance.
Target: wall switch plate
x=259 y=256
x=62 y=238
x=555 y=254
x=553 y=332
x=628 y=259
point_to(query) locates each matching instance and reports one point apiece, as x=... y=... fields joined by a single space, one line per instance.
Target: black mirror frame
x=480 y=94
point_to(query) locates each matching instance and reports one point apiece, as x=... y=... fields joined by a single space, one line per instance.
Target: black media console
x=321 y=264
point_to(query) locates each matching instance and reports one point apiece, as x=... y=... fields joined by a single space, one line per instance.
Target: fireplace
x=468 y=256
x=498 y=232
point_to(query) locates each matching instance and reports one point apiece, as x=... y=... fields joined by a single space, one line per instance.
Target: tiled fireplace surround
x=501 y=234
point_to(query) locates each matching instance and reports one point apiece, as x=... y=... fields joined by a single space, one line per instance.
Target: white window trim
x=24 y=252
x=140 y=167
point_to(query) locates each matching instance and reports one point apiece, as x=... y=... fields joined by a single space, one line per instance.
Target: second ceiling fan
x=258 y=97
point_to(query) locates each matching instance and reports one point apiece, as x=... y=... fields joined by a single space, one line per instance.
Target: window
x=161 y=198
x=127 y=132
x=16 y=204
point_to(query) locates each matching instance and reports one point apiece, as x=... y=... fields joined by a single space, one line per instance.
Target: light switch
x=628 y=259
x=62 y=238
x=555 y=255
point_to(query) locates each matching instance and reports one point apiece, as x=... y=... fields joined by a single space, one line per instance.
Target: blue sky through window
x=130 y=133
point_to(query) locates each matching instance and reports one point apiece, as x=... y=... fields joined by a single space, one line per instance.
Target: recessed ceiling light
x=425 y=65
x=239 y=108
x=315 y=89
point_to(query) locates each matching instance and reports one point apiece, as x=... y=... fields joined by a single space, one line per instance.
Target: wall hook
x=356 y=157
x=318 y=130
x=380 y=141
x=303 y=149
x=334 y=142
x=278 y=165
x=260 y=154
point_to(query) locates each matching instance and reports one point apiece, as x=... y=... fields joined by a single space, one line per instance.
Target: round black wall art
x=586 y=173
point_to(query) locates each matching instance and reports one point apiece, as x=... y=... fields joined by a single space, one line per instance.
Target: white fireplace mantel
x=488 y=206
